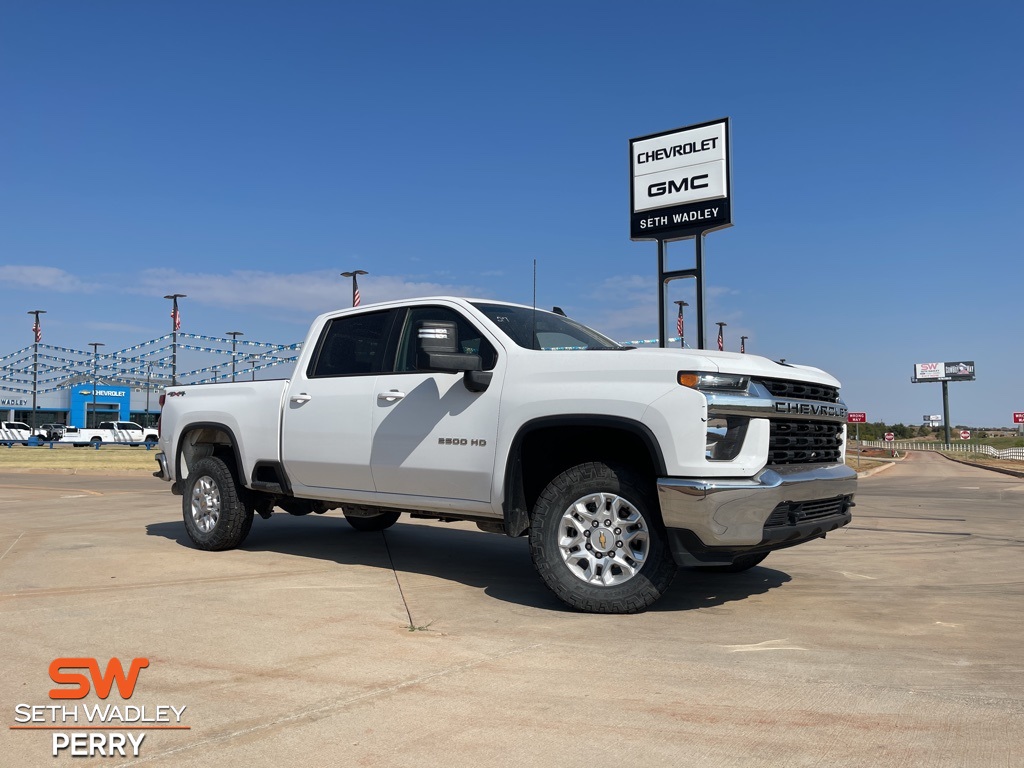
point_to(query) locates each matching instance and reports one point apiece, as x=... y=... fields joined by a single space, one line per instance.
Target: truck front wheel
x=215 y=516
x=596 y=542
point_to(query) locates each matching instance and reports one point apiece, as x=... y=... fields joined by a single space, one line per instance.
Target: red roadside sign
x=858 y=417
x=965 y=434
x=890 y=436
x=1018 y=417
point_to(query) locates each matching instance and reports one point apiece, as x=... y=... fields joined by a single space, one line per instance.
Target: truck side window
x=470 y=339
x=351 y=346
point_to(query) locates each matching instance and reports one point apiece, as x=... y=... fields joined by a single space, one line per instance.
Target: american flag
x=37 y=330
x=721 y=340
x=176 y=316
x=743 y=344
x=355 y=292
x=679 y=323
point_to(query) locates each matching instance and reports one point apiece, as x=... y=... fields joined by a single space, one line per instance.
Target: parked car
x=50 y=431
x=124 y=432
x=619 y=464
x=15 y=432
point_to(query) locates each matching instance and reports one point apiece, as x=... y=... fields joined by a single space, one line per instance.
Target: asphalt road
x=895 y=642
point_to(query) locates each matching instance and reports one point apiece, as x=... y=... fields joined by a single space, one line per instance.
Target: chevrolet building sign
x=680 y=182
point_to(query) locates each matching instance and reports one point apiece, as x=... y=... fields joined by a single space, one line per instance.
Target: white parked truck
x=123 y=432
x=620 y=464
x=15 y=432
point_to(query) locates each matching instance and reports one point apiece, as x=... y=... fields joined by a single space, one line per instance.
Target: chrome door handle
x=391 y=396
x=301 y=398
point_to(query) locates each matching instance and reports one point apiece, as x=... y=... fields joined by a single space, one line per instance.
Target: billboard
x=679 y=182
x=961 y=370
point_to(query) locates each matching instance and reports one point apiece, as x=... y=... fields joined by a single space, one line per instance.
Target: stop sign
x=965 y=434
x=890 y=436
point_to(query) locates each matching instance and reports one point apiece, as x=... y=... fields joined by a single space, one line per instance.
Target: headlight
x=714 y=382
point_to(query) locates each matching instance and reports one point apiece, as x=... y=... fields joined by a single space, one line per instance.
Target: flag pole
x=175 y=327
x=37 y=335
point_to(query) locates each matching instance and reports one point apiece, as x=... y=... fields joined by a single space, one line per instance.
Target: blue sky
x=245 y=153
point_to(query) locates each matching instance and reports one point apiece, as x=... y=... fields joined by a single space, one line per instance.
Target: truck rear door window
x=352 y=345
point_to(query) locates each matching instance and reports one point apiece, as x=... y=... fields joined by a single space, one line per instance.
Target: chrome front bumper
x=731 y=513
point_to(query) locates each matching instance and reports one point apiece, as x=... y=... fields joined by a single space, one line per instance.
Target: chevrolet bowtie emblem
x=602 y=539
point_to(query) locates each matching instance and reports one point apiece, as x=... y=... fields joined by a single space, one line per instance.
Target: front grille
x=799 y=390
x=804 y=442
x=796 y=512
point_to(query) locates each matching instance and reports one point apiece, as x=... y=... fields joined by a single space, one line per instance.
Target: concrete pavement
x=895 y=642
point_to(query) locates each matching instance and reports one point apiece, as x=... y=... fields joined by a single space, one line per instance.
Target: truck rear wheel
x=215 y=516
x=597 y=543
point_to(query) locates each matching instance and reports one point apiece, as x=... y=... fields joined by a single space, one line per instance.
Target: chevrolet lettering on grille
x=820 y=410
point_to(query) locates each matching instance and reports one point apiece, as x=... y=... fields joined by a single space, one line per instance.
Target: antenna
x=534 y=344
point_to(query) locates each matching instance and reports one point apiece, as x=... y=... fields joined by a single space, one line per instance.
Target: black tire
x=215 y=517
x=740 y=564
x=374 y=522
x=629 y=569
x=96 y=441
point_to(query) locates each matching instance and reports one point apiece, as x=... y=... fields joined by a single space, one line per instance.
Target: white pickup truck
x=620 y=464
x=121 y=432
x=14 y=432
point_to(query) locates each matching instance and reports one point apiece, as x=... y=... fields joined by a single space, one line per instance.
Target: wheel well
x=545 y=451
x=201 y=441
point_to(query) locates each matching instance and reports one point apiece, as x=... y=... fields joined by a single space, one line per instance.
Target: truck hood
x=710 y=361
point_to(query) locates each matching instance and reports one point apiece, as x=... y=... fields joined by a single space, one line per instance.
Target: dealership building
x=83 y=405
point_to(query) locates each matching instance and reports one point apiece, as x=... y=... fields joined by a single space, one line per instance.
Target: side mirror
x=438 y=348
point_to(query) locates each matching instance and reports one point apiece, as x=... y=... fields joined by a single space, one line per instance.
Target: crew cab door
x=327 y=422
x=432 y=436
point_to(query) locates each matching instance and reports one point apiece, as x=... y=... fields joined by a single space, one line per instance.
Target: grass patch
x=108 y=458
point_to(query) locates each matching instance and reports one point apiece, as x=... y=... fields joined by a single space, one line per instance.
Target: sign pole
x=662 y=293
x=700 y=289
x=665 y=277
x=945 y=409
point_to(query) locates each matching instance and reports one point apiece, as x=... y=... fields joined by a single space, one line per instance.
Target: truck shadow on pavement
x=497 y=565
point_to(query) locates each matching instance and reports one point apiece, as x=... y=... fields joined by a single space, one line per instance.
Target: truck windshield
x=538 y=329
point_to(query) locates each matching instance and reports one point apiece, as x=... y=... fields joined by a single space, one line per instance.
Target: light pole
x=679 y=322
x=216 y=373
x=355 y=285
x=743 y=344
x=175 y=327
x=95 y=375
x=721 y=336
x=253 y=364
x=37 y=335
x=149 y=385
x=234 y=339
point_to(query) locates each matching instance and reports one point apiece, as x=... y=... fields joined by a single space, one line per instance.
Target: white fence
x=914 y=445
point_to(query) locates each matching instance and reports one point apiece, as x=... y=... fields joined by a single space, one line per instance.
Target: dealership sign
x=680 y=182
x=1018 y=417
x=956 y=371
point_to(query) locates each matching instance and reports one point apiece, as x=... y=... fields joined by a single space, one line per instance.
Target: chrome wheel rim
x=206 y=504
x=603 y=539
